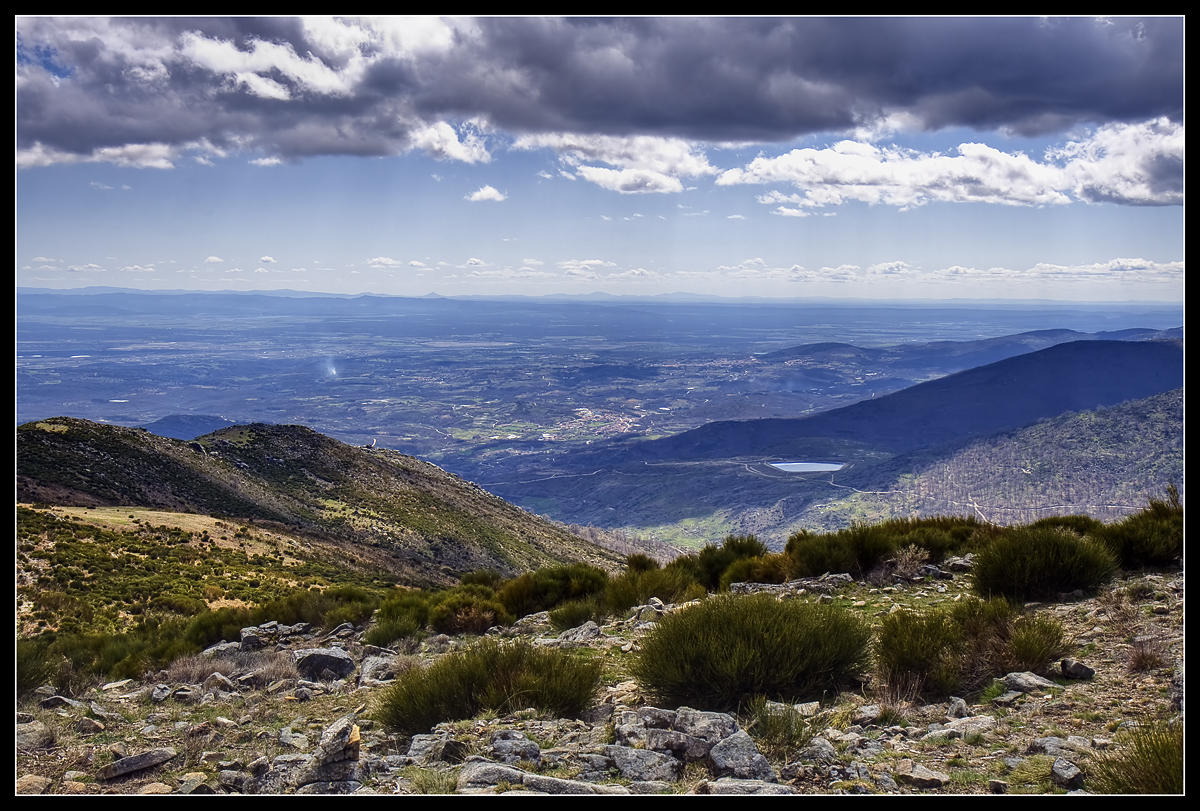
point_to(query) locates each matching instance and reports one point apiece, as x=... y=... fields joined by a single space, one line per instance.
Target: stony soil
x=262 y=726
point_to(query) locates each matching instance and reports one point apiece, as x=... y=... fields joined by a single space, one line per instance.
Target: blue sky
x=795 y=157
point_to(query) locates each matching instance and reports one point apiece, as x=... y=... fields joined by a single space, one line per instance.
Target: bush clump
x=1146 y=760
x=468 y=610
x=491 y=675
x=1152 y=537
x=730 y=647
x=920 y=652
x=400 y=616
x=547 y=588
x=1025 y=563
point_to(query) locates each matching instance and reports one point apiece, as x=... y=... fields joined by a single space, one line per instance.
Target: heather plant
x=1034 y=641
x=920 y=652
x=467 y=610
x=1151 y=537
x=760 y=569
x=574 y=613
x=491 y=675
x=1026 y=563
x=548 y=587
x=401 y=615
x=713 y=560
x=728 y=647
x=1145 y=760
x=673 y=583
x=779 y=730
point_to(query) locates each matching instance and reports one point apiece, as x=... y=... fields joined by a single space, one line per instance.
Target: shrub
x=762 y=569
x=546 y=588
x=713 y=560
x=464 y=612
x=482 y=577
x=1146 y=760
x=856 y=550
x=1033 y=642
x=639 y=562
x=729 y=647
x=1081 y=524
x=671 y=584
x=1031 y=564
x=1152 y=537
x=36 y=665
x=920 y=652
x=490 y=675
x=573 y=614
x=401 y=615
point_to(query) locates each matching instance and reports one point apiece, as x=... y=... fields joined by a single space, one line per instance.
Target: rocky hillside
x=288 y=709
x=422 y=523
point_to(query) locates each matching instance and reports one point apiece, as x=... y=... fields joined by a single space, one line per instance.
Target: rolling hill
x=422 y=523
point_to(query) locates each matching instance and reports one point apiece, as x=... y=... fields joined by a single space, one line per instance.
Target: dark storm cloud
x=304 y=87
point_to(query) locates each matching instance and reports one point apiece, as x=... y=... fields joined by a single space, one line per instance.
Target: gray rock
x=428 y=749
x=56 y=701
x=195 y=783
x=581 y=634
x=34 y=735
x=737 y=756
x=1074 y=669
x=378 y=670
x=867 y=714
x=137 y=763
x=644 y=764
x=651 y=717
x=1028 y=682
x=1066 y=774
x=708 y=726
x=680 y=744
x=330 y=787
x=971 y=725
x=1007 y=699
x=253 y=639
x=914 y=774
x=478 y=775
x=511 y=746
x=220 y=681
x=317 y=663
x=819 y=750
x=733 y=785
x=88 y=726
x=957 y=708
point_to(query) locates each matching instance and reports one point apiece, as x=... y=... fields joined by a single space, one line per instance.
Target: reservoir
x=807 y=467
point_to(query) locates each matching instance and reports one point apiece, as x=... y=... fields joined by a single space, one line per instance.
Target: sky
x=799 y=157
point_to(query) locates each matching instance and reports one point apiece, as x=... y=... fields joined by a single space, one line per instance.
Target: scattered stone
x=34 y=735
x=56 y=701
x=644 y=764
x=914 y=774
x=32 y=784
x=1028 y=682
x=511 y=746
x=737 y=756
x=483 y=776
x=1073 y=669
x=88 y=726
x=732 y=785
x=195 y=783
x=1007 y=699
x=957 y=708
x=315 y=663
x=1066 y=774
x=155 y=788
x=137 y=763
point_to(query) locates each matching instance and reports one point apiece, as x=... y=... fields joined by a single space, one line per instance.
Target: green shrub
x=1146 y=760
x=920 y=652
x=856 y=550
x=672 y=583
x=491 y=675
x=1152 y=537
x=461 y=611
x=1033 y=564
x=729 y=647
x=546 y=588
x=713 y=560
x=1081 y=524
x=761 y=569
x=36 y=665
x=401 y=615
x=639 y=562
x=573 y=614
x=482 y=577
x=1033 y=642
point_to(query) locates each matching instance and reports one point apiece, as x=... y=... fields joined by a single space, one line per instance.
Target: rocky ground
x=288 y=709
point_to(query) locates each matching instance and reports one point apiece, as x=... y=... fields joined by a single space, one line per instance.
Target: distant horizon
x=672 y=297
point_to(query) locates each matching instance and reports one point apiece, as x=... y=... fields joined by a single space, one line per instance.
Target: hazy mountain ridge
x=427 y=520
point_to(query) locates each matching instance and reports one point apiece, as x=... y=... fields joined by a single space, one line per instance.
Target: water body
x=807 y=467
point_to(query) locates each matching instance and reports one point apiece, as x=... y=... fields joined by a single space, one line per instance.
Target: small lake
x=807 y=467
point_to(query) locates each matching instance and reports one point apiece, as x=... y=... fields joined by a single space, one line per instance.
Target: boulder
x=644 y=764
x=137 y=763
x=737 y=756
x=318 y=663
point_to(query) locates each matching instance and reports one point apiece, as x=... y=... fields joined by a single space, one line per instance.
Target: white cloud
x=213 y=260
x=384 y=262
x=270 y=161
x=1125 y=163
x=736 y=217
x=485 y=193
x=631 y=181
x=643 y=163
x=416 y=263
x=267 y=260
x=443 y=142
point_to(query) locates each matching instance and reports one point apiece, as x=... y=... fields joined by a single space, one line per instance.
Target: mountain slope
x=1104 y=463
x=426 y=520
x=1017 y=391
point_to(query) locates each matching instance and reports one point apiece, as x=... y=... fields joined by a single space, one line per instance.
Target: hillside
x=1000 y=396
x=426 y=524
x=1104 y=463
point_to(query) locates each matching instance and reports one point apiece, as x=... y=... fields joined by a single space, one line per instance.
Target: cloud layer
x=149 y=91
